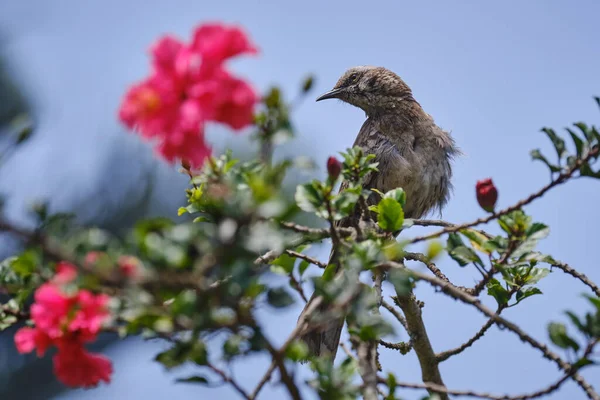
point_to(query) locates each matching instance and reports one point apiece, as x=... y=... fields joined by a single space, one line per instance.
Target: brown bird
x=412 y=151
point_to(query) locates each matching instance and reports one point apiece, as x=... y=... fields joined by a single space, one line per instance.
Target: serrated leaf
x=575 y=320
x=557 y=141
x=199 y=379
x=577 y=142
x=303 y=267
x=308 y=198
x=454 y=241
x=465 y=255
x=284 y=264
x=537 y=155
x=391 y=216
x=528 y=292
x=498 y=292
x=582 y=362
x=397 y=194
x=558 y=336
x=477 y=239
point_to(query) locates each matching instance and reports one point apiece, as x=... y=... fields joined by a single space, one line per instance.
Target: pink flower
x=65 y=273
x=92 y=257
x=216 y=43
x=229 y=100
x=188 y=87
x=50 y=310
x=130 y=266
x=27 y=339
x=164 y=54
x=76 y=367
x=91 y=313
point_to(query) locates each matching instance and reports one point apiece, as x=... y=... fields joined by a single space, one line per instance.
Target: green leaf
x=308 y=84
x=557 y=141
x=199 y=379
x=582 y=362
x=397 y=194
x=478 y=240
x=454 y=241
x=594 y=300
x=297 y=351
x=577 y=141
x=329 y=273
x=303 y=266
x=283 y=265
x=465 y=255
x=308 y=197
x=558 y=336
x=391 y=215
x=537 y=231
x=528 y=292
x=575 y=320
x=537 y=155
x=496 y=290
x=279 y=298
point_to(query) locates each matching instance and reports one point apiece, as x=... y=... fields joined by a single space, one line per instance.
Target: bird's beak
x=332 y=94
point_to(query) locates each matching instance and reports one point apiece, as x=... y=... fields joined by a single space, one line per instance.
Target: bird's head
x=373 y=89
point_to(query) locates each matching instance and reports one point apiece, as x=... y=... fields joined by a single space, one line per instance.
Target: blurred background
x=491 y=73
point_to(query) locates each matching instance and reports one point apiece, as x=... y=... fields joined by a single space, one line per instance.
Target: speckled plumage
x=412 y=151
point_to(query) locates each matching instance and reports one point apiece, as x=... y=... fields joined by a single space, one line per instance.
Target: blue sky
x=491 y=73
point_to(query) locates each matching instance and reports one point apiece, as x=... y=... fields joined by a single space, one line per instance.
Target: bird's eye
x=353 y=78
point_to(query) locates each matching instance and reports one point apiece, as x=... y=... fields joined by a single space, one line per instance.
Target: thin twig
x=433 y=268
x=562 y=178
x=443 y=356
x=582 y=277
x=458 y=294
x=395 y=313
x=230 y=380
x=304 y=257
x=432 y=387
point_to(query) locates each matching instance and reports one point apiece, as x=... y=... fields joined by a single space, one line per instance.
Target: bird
x=412 y=152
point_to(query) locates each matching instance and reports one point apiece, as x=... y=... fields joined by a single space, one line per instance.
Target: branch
x=395 y=313
x=562 y=178
x=433 y=268
x=443 y=356
x=433 y=388
x=230 y=380
x=476 y=290
x=420 y=340
x=458 y=294
x=582 y=277
x=319 y=233
x=304 y=257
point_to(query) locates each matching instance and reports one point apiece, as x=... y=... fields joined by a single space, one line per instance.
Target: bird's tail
x=325 y=339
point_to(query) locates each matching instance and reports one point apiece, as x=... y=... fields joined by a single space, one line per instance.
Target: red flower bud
x=334 y=167
x=487 y=194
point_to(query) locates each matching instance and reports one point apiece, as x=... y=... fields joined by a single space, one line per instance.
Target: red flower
x=51 y=309
x=67 y=320
x=334 y=168
x=91 y=313
x=75 y=367
x=130 y=266
x=27 y=339
x=216 y=43
x=487 y=194
x=65 y=273
x=188 y=87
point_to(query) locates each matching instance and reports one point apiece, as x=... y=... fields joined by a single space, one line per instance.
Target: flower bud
x=334 y=168
x=487 y=194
